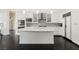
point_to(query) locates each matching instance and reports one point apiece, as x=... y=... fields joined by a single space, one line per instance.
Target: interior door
x=68 y=27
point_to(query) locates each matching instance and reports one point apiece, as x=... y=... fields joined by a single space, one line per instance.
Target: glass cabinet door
x=35 y=18
x=48 y=18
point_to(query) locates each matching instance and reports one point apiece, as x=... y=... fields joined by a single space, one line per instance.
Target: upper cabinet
x=35 y=19
x=44 y=17
x=38 y=19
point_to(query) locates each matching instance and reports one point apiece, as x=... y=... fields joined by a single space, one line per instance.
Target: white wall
x=75 y=26
x=62 y=20
x=4 y=18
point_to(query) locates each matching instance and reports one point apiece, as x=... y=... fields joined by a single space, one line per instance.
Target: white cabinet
x=49 y=18
x=35 y=37
x=35 y=19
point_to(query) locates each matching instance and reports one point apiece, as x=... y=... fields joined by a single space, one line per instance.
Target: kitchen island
x=37 y=35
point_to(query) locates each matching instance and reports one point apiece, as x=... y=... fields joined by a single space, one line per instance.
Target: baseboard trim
x=70 y=41
x=63 y=37
x=67 y=39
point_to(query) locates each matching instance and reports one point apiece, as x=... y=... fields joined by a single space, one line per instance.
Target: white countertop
x=39 y=29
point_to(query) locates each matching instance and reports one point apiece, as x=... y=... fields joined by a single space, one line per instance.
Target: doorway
x=67 y=18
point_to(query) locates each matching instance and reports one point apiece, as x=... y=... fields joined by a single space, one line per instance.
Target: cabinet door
x=48 y=17
x=35 y=18
x=39 y=16
x=21 y=24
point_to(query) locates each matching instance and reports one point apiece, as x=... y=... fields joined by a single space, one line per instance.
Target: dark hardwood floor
x=61 y=43
x=65 y=44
